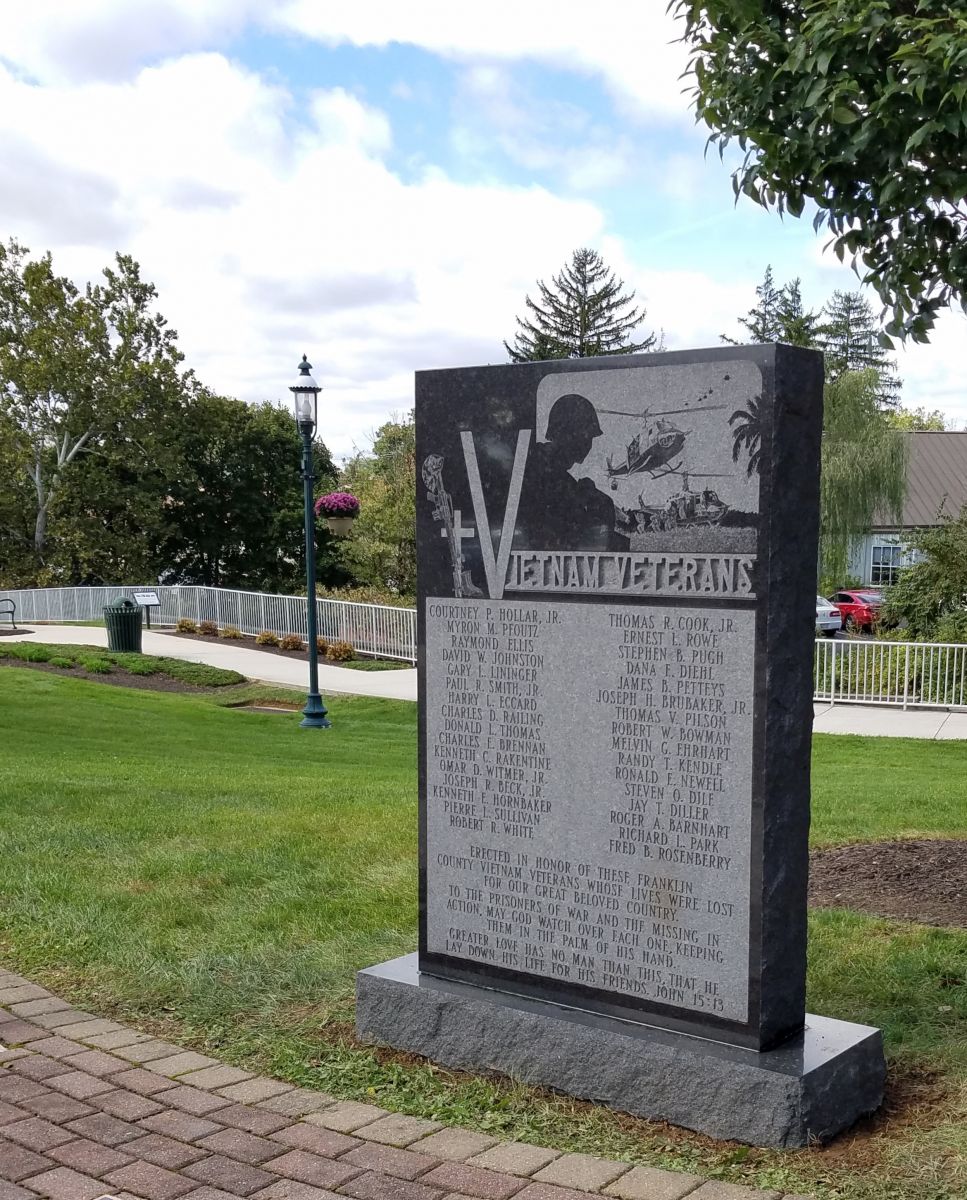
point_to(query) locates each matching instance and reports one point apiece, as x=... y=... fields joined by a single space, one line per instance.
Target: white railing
x=905 y=674
x=371 y=628
x=846 y=671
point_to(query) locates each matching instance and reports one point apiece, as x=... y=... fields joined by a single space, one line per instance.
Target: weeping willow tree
x=864 y=469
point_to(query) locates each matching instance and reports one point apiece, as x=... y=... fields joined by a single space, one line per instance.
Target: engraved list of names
x=588 y=795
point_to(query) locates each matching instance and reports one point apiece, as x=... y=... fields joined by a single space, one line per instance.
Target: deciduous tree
x=917 y=420
x=864 y=467
x=931 y=591
x=859 y=106
x=80 y=373
x=382 y=549
x=234 y=516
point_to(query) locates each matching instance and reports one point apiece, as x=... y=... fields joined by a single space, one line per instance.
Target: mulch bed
x=119 y=678
x=249 y=643
x=917 y=880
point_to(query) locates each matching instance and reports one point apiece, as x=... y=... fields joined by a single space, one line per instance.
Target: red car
x=860 y=610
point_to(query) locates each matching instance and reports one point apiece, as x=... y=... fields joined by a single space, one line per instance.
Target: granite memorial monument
x=617 y=563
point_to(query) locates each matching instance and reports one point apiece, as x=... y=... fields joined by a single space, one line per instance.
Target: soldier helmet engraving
x=572 y=415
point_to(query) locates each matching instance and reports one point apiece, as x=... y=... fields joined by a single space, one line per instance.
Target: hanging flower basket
x=339 y=509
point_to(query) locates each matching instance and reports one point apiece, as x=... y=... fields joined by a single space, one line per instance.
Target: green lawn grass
x=865 y=788
x=219 y=876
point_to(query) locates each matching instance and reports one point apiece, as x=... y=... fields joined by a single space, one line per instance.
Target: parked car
x=860 y=610
x=828 y=618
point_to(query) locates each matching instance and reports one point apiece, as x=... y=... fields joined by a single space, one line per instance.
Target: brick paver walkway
x=90 y=1108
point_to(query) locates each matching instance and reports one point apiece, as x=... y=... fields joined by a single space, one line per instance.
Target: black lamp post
x=306 y=391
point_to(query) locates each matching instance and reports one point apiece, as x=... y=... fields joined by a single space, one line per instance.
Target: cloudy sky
x=379 y=184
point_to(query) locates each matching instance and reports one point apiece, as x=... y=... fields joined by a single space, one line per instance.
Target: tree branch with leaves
x=859 y=106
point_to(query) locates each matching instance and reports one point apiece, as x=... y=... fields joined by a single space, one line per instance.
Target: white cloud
x=270 y=230
x=629 y=44
x=340 y=117
x=497 y=110
x=77 y=40
x=273 y=225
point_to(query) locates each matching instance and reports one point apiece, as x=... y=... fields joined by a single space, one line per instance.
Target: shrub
x=952 y=627
x=60 y=660
x=232 y=632
x=35 y=653
x=266 y=638
x=148 y=667
x=208 y=629
x=96 y=665
x=368 y=595
x=322 y=645
x=292 y=641
x=186 y=625
x=341 y=652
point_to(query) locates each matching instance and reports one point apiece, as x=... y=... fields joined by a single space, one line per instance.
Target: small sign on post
x=147 y=600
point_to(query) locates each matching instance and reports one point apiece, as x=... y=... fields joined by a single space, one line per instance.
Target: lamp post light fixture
x=305 y=392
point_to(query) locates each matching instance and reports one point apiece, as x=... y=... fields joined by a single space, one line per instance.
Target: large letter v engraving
x=495 y=566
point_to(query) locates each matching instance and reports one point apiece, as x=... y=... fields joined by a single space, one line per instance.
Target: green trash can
x=123 y=621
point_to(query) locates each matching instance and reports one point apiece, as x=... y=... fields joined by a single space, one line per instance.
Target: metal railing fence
x=846 y=671
x=371 y=628
x=902 y=674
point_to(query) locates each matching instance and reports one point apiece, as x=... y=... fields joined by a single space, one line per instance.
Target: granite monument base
x=809 y=1089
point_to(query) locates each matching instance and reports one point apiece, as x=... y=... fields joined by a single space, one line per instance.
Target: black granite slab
x=616 y=585
x=811 y=1088
x=492 y=405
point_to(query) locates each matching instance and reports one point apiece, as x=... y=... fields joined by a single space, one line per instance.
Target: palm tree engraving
x=748 y=433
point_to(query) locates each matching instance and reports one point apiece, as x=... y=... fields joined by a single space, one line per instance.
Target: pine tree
x=864 y=455
x=779 y=316
x=762 y=321
x=581 y=314
x=797 y=326
x=849 y=339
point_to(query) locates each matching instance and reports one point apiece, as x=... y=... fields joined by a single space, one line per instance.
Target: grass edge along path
x=218 y=877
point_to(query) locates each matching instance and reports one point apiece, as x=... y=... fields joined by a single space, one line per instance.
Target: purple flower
x=337 y=504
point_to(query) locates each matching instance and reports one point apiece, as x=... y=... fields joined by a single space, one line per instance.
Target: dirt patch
x=922 y=880
x=14 y=632
x=121 y=678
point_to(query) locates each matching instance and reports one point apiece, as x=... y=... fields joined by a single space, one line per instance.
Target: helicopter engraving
x=684 y=509
x=654 y=450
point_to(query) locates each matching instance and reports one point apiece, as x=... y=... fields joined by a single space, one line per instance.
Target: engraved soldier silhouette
x=557 y=511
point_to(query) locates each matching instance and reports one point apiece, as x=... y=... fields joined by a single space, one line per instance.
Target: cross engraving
x=460 y=531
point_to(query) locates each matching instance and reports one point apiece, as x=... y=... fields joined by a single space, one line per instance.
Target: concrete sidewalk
x=253 y=664
x=870 y=720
